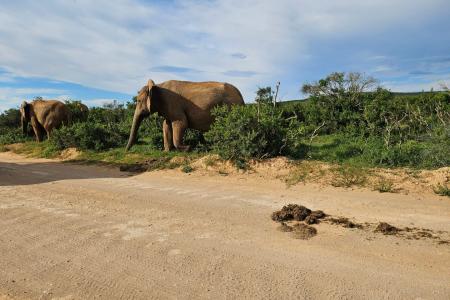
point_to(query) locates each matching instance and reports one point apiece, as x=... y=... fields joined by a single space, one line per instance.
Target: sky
x=99 y=51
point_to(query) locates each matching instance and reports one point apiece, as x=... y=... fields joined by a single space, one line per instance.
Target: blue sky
x=97 y=51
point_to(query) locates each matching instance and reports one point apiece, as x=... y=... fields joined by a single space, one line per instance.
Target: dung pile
x=314 y=217
x=344 y=222
x=299 y=213
x=296 y=220
x=294 y=212
x=303 y=232
x=387 y=229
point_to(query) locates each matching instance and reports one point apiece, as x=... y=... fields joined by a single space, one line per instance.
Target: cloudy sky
x=102 y=50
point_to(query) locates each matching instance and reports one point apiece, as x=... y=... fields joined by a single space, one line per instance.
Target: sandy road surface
x=82 y=232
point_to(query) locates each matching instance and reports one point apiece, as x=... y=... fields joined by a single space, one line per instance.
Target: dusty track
x=78 y=232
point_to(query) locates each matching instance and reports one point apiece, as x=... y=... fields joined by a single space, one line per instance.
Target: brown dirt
x=323 y=174
x=86 y=232
x=69 y=154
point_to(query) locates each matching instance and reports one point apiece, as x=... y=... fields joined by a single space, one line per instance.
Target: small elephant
x=44 y=115
x=183 y=105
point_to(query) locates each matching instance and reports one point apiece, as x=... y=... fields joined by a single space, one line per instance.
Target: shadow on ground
x=13 y=173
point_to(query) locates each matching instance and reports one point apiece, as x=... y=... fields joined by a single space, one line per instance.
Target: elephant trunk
x=137 y=119
x=24 y=124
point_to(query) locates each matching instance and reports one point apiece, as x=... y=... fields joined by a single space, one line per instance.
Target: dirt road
x=82 y=232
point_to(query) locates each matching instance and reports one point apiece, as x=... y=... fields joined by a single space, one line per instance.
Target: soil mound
x=387 y=229
x=69 y=153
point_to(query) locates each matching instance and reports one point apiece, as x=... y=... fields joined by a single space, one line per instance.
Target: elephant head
x=143 y=108
x=25 y=116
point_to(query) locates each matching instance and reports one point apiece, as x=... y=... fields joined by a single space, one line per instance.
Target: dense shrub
x=346 y=118
x=12 y=135
x=89 y=136
x=371 y=151
x=242 y=132
x=151 y=132
x=9 y=119
x=77 y=111
x=10 y=131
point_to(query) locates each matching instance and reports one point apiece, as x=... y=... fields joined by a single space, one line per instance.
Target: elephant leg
x=178 y=129
x=167 y=135
x=48 y=126
x=38 y=133
x=38 y=130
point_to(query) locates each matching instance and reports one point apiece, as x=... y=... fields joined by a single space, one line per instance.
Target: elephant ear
x=151 y=101
x=25 y=108
x=150 y=86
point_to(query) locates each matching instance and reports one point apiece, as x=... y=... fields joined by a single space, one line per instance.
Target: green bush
x=243 y=132
x=196 y=140
x=9 y=119
x=89 y=136
x=151 y=131
x=442 y=189
x=11 y=136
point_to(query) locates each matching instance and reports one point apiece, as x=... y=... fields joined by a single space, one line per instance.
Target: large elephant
x=44 y=115
x=183 y=105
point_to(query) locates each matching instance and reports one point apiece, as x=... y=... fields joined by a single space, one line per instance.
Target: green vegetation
x=346 y=175
x=346 y=120
x=187 y=169
x=10 y=131
x=384 y=186
x=442 y=189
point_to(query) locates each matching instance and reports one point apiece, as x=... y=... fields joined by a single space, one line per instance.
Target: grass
x=187 y=169
x=304 y=171
x=344 y=174
x=211 y=161
x=442 y=189
x=384 y=185
x=140 y=154
x=347 y=175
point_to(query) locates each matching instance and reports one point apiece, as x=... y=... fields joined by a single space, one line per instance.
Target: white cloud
x=103 y=102
x=114 y=45
x=12 y=97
